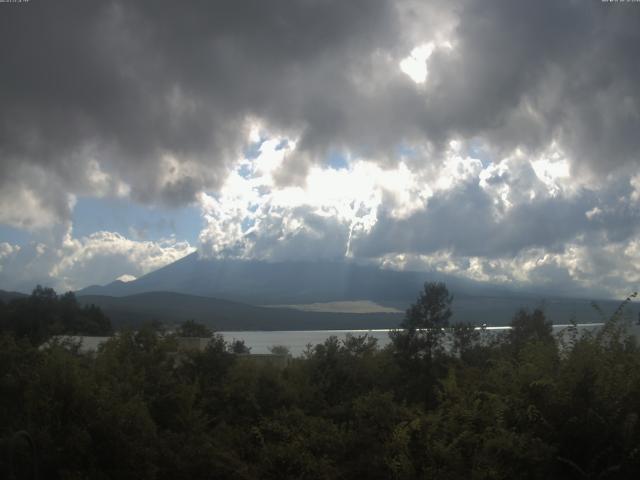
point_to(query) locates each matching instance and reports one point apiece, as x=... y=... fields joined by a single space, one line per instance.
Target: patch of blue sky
x=404 y=150
x=478 y=150
x=14 y=236
x=135 y=221
x=245 y=171
x=247 y=223
x=253 y=149
x=284 y=143
x=338 y=160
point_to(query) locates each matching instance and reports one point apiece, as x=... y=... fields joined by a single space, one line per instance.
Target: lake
x=297 y=341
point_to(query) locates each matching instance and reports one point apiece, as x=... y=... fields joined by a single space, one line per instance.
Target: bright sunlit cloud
x=415 y=64
x=383 y=133
x=126 y=278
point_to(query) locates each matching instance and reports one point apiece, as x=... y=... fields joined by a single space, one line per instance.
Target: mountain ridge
x=172 y=307
x=292 y=282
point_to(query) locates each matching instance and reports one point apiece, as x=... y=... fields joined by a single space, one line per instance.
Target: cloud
x=7 y=250
x=477 y=131
x=465 y=218
x=104 y=256
x=579 y=270
x=159 y=96
x=503 y=209
x=530 y=74
x=253 y=216
x=30 y=199
x=126 y=278
x=69 y=263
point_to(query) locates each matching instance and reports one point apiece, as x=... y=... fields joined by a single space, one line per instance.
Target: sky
x=495 y=141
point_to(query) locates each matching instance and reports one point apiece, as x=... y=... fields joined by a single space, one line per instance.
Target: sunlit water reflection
x=297 y=341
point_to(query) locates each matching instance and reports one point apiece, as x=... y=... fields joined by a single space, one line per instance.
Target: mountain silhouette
x=266 y=283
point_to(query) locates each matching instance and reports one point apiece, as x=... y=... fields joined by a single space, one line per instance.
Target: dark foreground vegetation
x=44 y=314
x=522 y=405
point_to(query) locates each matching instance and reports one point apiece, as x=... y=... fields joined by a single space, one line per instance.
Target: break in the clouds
x=492 y=140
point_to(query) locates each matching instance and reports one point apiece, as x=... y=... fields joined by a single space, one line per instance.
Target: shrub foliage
x=523 y=405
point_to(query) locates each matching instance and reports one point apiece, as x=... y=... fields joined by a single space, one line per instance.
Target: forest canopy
x=525 y=404
x=44 y=314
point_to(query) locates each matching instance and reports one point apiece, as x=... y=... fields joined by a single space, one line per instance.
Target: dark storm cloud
x=129 y=82
x=465 y=221
x=527 y=73
x=158 y=91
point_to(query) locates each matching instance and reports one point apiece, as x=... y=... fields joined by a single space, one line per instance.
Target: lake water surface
x=297 y=341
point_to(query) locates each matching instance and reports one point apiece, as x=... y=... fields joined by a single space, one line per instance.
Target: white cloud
x=126 y=278
x=6 y=249
x=104 y=256
x=69 y=263
x=252 y=211
x=334 y=212
x=635 y=185
x=31 y=199
x=553 y=169
x=578 y=270
x=415 y=64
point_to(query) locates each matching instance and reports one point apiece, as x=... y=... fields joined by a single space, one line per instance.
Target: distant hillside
x=294 y=283
x=263 y=283
x=8 y=296
x=499 y=310
x=170 y=307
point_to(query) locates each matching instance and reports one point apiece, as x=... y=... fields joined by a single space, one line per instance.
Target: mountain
x=8 y=296
x=223 y=315
x=115 y=288
x=265 y=283
x=194 y=288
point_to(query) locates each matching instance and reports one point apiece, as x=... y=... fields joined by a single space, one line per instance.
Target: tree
x=44 y=314
x=191 y=328
x=425 y=322
x=280 y=350
x=238 y=347
x=465 y=337
x=414 y=347
x=530 y=327
x=432 y=309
